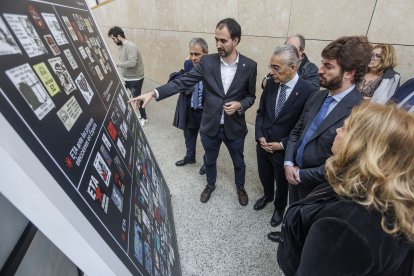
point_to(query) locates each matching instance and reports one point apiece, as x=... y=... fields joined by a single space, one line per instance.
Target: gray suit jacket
x=242 y=89
x=318 y=149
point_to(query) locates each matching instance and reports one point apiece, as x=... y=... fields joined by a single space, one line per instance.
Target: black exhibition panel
x=60 y=91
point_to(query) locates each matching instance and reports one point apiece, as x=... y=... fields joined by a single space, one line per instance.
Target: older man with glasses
x=281 y=104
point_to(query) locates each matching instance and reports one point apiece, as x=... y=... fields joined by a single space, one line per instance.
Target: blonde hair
x=375 y=165
x=388 y=57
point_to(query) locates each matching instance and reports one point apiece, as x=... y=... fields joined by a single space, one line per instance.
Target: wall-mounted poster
x=60 y=91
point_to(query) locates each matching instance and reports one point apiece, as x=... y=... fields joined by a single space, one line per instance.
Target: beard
x=119 y=43
x=332 y=84
x=223 y=53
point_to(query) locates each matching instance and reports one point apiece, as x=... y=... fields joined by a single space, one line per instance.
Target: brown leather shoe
x=243 y=198
x=205 y=195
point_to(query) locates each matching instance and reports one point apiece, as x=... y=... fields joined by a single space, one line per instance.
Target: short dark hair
x=233 y=27
x=115 y=31
x=353 y=53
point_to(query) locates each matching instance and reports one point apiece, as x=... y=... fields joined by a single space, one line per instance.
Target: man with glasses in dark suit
x=280 y=107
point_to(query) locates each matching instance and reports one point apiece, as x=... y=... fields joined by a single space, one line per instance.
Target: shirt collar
x=234 y=62
x=340 y=96
x=293 y=81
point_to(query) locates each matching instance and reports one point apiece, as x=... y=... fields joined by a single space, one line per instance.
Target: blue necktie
x=281 y=99
x=197 y=96
x=320 y=116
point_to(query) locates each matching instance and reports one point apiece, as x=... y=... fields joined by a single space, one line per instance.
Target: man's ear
x=348 y=75
x=236 y=40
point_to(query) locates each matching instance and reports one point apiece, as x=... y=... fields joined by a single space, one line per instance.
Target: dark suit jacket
x=242 y=89
x=357 y=245
x=278 y=130
x=182 y=110
x=319 y=146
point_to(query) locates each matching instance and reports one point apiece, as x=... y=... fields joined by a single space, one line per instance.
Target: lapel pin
x=297 y=93
x=244 y=64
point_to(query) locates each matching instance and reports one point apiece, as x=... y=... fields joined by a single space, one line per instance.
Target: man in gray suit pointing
x=229 y=80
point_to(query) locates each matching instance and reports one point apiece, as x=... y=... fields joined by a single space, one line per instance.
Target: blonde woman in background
x=381 y=80
x=363 y=222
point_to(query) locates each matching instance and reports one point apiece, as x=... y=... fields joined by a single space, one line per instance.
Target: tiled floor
x=219 y=237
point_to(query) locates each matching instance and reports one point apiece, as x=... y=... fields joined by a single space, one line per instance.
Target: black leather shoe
x=184 y=162
x=205 y=195
x=277 y=218
x=275 y=237
x=242 y=195
x=262 y=202
x=202 y=170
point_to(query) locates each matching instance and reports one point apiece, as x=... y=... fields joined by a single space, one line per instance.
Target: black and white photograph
x=26 y=34
x=84 y=87
x=8 y=45
x=62 y=73
x=70 y=59
x=55 y=28
x=102 y=169
x=70 y=28
x=52 y=44
x=29 y=86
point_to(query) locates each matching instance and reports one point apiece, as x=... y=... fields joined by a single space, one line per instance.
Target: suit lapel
x=217 y=72
x=340 y=111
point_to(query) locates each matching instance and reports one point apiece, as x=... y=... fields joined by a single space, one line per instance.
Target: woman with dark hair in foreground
x=363 y=222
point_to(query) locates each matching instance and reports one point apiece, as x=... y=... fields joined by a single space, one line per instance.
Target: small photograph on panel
x=79 y=22
x=62 y=73
x=78 y=33
x=117 y=198
x=97 y=194
x=70 y=59
x=88 y=52
x=99 y=72
x=69 y=113
x=88 y=25
x=84 y=87
x=138 y=244
x=148 y=257
x=102 y=168
x=70 y=28
x=52 y=44
x=36 y=18
x=106 y=141
x=29 y=86
x=26 y=34
x=8 y=45
x=47 y=79
x=55 y=28
x=83 y=52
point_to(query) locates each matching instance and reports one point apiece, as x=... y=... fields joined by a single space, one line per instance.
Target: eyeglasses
x=376 y=56
x=275 y=68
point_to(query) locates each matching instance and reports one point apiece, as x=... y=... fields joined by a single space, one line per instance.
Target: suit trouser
x=271 y=170
x=135 y=87
x=191 y=133
x=212 y=147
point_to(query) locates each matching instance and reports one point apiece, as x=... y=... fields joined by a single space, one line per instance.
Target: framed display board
x=59 y=90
